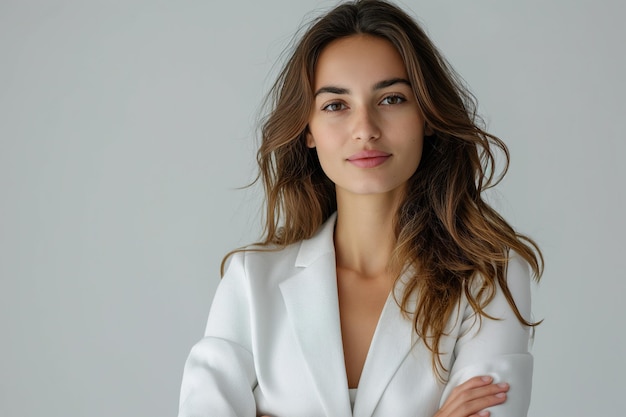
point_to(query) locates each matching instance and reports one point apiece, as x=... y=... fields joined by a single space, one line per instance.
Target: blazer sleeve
x=498 y=348
x=219 y=375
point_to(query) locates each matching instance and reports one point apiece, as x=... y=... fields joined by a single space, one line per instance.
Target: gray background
x=126 y=126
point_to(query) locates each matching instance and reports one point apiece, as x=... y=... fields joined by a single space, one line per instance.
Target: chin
x=373 y=189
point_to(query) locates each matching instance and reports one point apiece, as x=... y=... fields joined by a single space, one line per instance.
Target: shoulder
x=518 y=278
x=251 y=281
x=262 y=261
x=517 y=267
x=497 y=330
x=271 y=264
x=508 y=293
x=500 y=297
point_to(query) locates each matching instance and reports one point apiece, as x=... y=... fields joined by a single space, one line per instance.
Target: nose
x=365 y=126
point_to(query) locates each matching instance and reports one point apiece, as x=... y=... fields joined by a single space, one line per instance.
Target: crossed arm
x=488 y=358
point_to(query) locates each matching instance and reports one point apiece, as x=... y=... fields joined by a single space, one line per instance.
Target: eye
x=333 y=107
x=393 y=99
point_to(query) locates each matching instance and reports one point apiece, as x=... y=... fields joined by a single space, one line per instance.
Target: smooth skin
x=364 y=104
x=472 y=397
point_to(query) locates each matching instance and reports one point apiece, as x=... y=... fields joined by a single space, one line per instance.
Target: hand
x=472 y=397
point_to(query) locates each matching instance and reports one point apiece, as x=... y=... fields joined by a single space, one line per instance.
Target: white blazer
x=273 y=345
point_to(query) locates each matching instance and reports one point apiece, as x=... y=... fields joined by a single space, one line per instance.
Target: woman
x=384 y=285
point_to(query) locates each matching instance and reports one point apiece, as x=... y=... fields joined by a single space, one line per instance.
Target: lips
x=368 y=158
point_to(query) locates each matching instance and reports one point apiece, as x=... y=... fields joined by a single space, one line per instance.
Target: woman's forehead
x=358 y=59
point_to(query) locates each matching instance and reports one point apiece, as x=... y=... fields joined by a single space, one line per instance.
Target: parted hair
x=453 y=243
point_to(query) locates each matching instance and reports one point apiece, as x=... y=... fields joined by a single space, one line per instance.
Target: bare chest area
x=361 y=302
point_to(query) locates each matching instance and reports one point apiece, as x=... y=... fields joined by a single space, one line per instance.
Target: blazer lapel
x=310 y=297
x=392 y=342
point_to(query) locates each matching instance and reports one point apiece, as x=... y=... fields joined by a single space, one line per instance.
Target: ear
x=310 y=141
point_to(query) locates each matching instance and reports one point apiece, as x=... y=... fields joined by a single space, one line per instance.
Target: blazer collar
x=392 y=342
x=312 y=306
x=313 y=309
x=319 y=245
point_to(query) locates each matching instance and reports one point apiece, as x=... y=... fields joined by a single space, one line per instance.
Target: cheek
x=414 y=152
x=328 y=159
x=328 y=156
x=419 y=148
x=322 y=137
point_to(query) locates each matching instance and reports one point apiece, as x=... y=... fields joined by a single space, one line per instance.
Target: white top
x=352 y=396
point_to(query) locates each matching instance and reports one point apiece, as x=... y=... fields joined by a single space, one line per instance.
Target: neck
x=364 y=233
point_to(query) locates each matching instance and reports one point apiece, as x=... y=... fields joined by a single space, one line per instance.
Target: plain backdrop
x=126 y=128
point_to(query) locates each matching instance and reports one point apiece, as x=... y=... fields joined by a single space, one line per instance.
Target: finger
x=471 y=384
x=478 y=405
x=473 y=396
x=476 y=394
x=477 y=381
x=478 y=386
x=491 y=389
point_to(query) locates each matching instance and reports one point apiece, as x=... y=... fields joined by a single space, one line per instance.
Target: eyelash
x=326 y=107
x=396 y=97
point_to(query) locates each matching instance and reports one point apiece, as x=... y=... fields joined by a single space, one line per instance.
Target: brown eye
x=332 y=107
x=393 y=99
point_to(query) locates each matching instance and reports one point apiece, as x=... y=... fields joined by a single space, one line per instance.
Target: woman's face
x=365 y=123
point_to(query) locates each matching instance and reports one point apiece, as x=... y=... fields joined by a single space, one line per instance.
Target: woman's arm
x=498 y=348
x=219 y=374
x=471 y=398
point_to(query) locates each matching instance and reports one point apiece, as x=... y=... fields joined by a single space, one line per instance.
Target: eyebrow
x=378 y=86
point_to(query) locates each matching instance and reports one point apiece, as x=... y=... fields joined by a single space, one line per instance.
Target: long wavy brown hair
x=446 y=232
